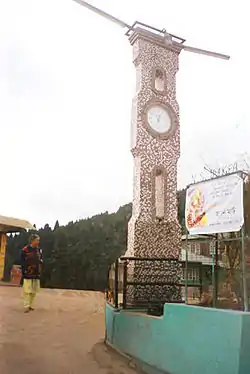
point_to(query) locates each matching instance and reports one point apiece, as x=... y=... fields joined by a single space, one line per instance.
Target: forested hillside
x=79 y=254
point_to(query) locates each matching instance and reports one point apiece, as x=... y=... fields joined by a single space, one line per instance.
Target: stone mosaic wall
x=149 y=236
x=161 y=276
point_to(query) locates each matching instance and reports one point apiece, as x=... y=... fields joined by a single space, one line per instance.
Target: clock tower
x=154 y=233
x=154 y=230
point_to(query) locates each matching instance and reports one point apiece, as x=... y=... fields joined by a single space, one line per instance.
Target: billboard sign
x=215 y=206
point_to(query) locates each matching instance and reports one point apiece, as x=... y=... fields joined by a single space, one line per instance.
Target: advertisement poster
x=2 y=254
x=215 y=206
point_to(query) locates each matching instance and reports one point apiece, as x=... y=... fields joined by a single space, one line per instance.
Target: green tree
x=79 y=254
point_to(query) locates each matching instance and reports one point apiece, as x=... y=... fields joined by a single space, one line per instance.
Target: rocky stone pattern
x=165 y=238
x=153 y=281
x=147 y=235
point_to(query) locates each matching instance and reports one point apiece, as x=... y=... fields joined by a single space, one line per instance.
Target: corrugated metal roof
x=9 y=224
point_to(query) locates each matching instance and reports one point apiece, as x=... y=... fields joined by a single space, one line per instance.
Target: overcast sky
x=66 y=83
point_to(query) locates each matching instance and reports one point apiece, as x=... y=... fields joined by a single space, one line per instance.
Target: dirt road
x=62 y=336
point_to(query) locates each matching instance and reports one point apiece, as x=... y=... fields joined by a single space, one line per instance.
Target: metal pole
x=103 y=14
x=201 y=282
x=213 y=273
x=116 y=284
x=186 y=270
x=125 y=275
x=216 y=267
x=243 y=268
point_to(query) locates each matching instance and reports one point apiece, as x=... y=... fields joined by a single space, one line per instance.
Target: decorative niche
x=159 y=80
x=159 y=193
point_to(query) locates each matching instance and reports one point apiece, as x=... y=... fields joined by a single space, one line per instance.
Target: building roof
x=8 y=224
x=196 y=237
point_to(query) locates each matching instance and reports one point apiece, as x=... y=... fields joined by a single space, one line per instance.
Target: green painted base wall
x=186 y=340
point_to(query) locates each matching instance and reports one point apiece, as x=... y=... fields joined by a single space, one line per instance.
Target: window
x=204 y=249
x=193 y=274
x=193 y=248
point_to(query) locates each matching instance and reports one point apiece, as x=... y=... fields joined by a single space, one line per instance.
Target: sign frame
x=207 y=206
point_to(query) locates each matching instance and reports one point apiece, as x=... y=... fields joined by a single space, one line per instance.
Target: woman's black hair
x=34 y=237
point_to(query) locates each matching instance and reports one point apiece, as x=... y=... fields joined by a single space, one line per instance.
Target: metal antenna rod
x=103 y=14
x=168 y=37
x=205 y=52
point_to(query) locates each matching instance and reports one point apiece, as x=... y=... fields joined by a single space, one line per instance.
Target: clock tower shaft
x=154 y=230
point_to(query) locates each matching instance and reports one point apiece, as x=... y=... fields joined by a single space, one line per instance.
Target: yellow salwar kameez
x=29 y=291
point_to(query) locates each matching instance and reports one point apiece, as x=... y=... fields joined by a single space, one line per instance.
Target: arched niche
x=159 y=80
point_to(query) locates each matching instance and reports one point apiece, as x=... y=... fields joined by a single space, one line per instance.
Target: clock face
x=159 y=119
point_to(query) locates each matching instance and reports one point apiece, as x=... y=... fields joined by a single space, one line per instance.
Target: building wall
x=186 y=340
x=3 y=241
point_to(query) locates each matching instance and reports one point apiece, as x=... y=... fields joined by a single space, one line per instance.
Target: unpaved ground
x=62 y=336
